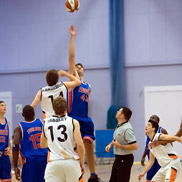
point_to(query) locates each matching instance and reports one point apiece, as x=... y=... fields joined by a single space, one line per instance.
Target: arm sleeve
x=129 y=136
x=157 y=136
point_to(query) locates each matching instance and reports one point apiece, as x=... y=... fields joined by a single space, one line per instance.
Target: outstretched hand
x=140 y=176
x=73 y=31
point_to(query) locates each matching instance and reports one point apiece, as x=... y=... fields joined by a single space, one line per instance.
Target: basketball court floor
x=104 y=171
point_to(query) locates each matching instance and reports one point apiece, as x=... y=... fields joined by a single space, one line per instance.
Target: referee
x=124 y=143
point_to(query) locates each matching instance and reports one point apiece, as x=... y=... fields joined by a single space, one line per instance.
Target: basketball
x=72 y=5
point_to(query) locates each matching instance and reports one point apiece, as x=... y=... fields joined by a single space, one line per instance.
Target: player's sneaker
x=94 y=178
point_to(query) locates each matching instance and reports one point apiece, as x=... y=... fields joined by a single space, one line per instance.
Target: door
x=166 y=102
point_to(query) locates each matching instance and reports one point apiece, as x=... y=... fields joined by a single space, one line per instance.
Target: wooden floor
x=104 y=172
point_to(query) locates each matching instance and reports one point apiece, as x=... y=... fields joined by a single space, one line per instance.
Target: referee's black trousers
x=121 y=168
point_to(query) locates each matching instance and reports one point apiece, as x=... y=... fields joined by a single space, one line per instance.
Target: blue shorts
x=86 y=128
x=153 y=170
x=5 y=168
x=33 y=171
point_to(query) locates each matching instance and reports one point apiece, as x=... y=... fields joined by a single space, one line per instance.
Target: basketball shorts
x=5 y=168
x=63 y=171
x=153 y=170
x=33 y=171
x=86 y=128
x=169 y=172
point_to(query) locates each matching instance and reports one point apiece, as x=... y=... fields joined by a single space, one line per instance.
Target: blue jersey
x=78 y=101
x=4 y=135
x=30 y=144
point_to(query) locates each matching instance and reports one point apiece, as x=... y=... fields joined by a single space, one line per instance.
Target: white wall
x=35 y=34
x=165 y=102
x=153 y=53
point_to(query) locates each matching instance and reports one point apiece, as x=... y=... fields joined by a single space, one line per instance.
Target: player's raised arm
x=72 y=69
x=71 y=84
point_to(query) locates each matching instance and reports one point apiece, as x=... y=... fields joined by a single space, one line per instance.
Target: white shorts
x=168 y=172
x=63 y=171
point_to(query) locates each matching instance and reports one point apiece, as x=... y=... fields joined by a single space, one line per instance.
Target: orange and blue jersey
x=4 y=135
x=78 y=101
x=30 y=144
x=5 y=165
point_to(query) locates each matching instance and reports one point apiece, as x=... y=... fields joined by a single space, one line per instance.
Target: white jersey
x=163 y=153
x=59 y=134
x=49 y=93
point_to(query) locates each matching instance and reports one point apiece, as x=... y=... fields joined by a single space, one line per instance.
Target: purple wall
x=35 y=34
x=34 y=37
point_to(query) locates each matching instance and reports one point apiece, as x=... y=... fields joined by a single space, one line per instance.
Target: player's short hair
x=60 y=105
x=154 y=118
x=79 y=64
x=1 y=101
x=154 y=125
x=28 y=112
x=52 y=77
x=127 y=113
